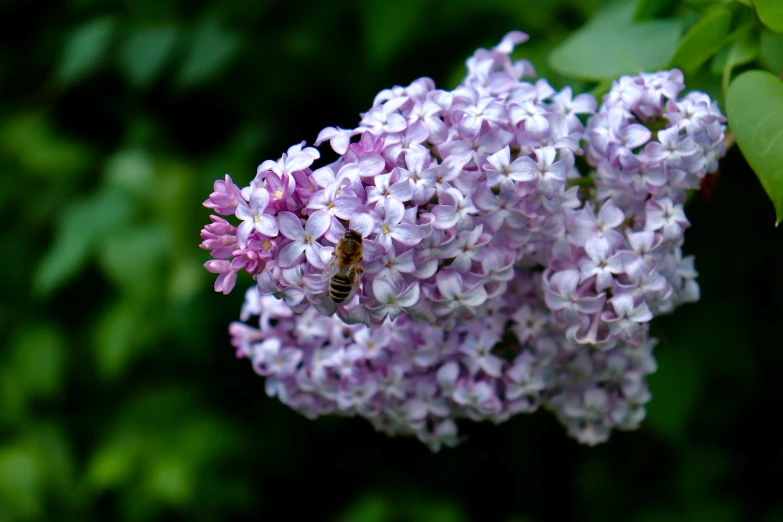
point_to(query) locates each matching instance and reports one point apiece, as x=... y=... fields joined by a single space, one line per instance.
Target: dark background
x=120 y=397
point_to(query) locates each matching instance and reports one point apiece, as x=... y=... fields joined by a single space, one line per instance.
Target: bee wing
x=331 y=268
x=356 y=273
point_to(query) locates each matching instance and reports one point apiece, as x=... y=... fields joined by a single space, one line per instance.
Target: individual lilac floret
x=494 y=277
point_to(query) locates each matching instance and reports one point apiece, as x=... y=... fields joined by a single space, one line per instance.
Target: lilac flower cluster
x=495 y=277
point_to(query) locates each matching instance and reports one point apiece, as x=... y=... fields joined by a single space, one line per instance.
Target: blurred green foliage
x=120 y=398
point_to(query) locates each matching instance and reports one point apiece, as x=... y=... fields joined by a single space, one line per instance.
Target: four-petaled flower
x=253 y=217
x=303 y=240
x=392 y=301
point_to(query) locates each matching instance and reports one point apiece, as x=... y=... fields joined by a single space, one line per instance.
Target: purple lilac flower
x=489 y=285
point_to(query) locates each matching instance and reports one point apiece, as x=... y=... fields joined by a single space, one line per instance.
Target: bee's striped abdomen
x=340 y=287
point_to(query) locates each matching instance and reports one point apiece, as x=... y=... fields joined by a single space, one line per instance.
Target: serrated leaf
x=612 y=45
x=703 y=40
x=84 y=48
x=80 y=226
x=144 y=53
x=770 y=13
x=744 y=50
x=211 y=48
x=754 y=106
x=771 y=52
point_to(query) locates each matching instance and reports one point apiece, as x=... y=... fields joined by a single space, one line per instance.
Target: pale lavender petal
x=546 y=156
x=317 y=255
x=243 y=231
x=537 y=126
x=641 y=314
x=597 y=248
x=362 y=223
x=266 y=283
x=290 y=226
x=394 y=211
x=372 y=251
x=410 y=296
x=500 y=159
x=636 y=135
x=610 y=216
x=445 y=217
x=426 y=269
x=449 y=284
x=371 y=165
x=402 y=190
x=243 y=211
x=290 y=254
x=492 y=365
x=406 y=234
x=603 y=280
x=591 y=305
x=447 y=375
x=623 y=305
x=345 y=206
x=317 y=224
x=475 y=296
x=383 y=290
x=298 y=161
x=293 y=296
x=259 y=199
x=266 y=224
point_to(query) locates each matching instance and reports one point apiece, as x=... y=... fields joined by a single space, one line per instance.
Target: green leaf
x=81 y=226
x=114 y=462
x=719 y=60
x=131 y=170
x=84 y=48
x=771 y=13
x=368 y=508
x=744 y=50
x=650 y=9
x=771 y=53
x=754 y=105
x=170 y=479
x=38 y=354
x=40 y=150
x=211 y=48
x=144 y=53
x=119 y=336
x=702 y=41
x=611 y=45
x=22 y=477
x=130 y=256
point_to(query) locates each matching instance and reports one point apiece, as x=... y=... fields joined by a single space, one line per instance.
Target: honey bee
x=344 y=268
